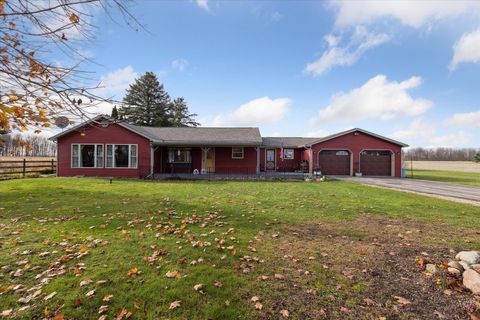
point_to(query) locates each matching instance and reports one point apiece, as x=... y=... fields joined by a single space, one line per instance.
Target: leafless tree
x=441 y=154
x=34 y=89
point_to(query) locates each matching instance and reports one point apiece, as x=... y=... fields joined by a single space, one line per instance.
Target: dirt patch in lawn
x=362 y=269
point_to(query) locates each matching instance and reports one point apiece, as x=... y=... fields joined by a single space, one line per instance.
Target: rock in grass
x=470 y=257
x=454 y=271
x=431 y=268
x=456 y=265
x=464 y=264
x=475 y=267
x=471 y=280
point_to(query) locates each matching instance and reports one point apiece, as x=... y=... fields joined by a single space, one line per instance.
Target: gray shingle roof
x=287 y=142
x=200 y=135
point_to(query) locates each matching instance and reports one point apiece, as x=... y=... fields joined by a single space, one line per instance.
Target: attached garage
x=335 y=162
x=376 y=163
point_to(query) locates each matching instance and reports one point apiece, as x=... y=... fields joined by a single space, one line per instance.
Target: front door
x=208 y=159
x=270 y=160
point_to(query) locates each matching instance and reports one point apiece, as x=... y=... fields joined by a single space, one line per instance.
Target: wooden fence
x=27 y=167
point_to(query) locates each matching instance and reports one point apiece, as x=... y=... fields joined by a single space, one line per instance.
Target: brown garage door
x=334 y=162
x=376 y=163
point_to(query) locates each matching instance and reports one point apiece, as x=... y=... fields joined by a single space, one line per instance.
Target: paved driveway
x=456 y=192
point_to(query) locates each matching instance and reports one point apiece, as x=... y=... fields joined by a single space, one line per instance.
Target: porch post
x=258 y=159
x=310 y=169
x=204 y=157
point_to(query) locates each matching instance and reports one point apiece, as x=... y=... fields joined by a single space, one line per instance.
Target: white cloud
x=276 y=16
x=203 y=4
x=421 y=133
x=255 y=112
x=412 y=13
x=180 y=64
x=360 y=41
x=465 y=120
x=467 y=49
x=116 y=82
x=378 y=98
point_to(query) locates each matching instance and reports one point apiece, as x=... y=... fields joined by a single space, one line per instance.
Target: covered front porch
x=200 y=160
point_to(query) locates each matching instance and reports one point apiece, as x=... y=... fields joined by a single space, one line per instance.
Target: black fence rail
x=26 y=167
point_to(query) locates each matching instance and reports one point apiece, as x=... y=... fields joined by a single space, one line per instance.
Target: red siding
x=113 y=134
x=356 y=144
x=225 y=164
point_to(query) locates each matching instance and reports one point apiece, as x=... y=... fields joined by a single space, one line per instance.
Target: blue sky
x=407 y=70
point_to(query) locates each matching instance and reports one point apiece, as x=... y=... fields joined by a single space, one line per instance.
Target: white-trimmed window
x=179 y=155
x=288 y=154
x=121 y=156
x=237 y=153
x=87 y=156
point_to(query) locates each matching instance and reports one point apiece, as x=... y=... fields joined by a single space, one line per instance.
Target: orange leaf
x=133 y=272
x=59 y=316
x=83 y=249
x=74 y=18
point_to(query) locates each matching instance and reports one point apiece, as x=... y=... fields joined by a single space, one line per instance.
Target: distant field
x=459 y=177
x=464 y=166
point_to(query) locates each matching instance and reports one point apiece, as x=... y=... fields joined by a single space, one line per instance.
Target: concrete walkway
x=450 y=191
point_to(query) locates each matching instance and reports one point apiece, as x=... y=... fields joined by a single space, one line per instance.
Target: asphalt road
x=456 y=192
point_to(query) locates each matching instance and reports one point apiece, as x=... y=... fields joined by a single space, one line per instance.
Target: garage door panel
x=376 y=163
x=334 y=162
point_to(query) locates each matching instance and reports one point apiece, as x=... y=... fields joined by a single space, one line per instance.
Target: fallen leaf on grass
x=108 y=297
x=86 y=282
x=217 y=284
x=83 y=249
x=175 y=304
x=50 y=296
x=90 y=293
x=402 y=300
x=133 y=272
x=255 y=299
x=6 y=313
x=102 y=309
x=123 y=314
x=198 y=287
x=258 y=306
x=59 y=316
x=285 y=313
x=172 y=274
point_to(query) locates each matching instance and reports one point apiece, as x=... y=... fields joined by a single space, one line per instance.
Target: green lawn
x=57 y=232
x=467 y=178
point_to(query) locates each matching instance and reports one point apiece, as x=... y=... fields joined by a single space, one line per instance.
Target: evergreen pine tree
x=180 y=116
x=146 y=102
x=477 y=157
x=114 y=113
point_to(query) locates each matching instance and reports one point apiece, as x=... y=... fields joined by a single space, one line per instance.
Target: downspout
x=258 y=159
x=310 y=169
x=152 y=158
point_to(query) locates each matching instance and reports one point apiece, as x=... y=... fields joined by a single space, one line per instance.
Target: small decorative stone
x=475 y=267
x=464 y=264
x=470 y=257
x=456 y=265
x=471 y=280
x=430 y=267
x=454 y=271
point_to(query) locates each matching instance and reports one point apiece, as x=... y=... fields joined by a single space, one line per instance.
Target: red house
x=104 y=147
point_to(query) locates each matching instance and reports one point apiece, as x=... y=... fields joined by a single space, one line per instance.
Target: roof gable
x=333 y=136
